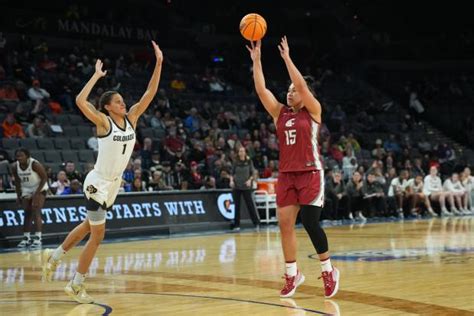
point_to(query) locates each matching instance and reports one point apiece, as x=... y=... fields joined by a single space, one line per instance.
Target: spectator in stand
x=336 y=153
x=146 y=152
x=74 y=188
x=209 y=183
x=468 y=182
x=11 y=129
x=355 y=197
x=138 y=174
x=434 y=192
x=60 y=184
x=459 y=193
x=349 y=163
x=398 y=191
x=8 y=92
x=418 y=168
x=195 y=176
x=138 y=185
x=354 y=143
x=181 y=176
x=338 y=118
x=38 y=128
x=93 y=141
x=71 y=172
x=378 y=152
x=168 y=175
x=157 y=121
x=178 y=84
x=415 y=187
x=157 y=183
x=173 y=144
x=391 y=145
x=39 y=96
x=335 y=193
x=374 y=196
x=224 y=179
x=193 y=121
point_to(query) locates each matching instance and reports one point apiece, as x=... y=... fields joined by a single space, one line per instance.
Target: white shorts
x=101 y=190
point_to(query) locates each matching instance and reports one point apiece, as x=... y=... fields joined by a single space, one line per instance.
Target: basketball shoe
x=78 y=293
x=49 y=265
x=331 y=282
x=291 y=283
x=25 y=242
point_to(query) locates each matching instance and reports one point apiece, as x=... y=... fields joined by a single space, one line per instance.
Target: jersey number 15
x=290 y=136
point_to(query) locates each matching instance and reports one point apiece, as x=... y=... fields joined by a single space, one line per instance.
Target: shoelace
x=288 y=282
x=326 y=279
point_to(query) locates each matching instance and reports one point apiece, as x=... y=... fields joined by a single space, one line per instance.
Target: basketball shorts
x=300 y=188
x=101 y=190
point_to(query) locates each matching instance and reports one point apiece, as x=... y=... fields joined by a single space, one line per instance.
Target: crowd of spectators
x=198 y=137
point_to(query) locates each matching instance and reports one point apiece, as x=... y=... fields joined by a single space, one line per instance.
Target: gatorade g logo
x=225 y=203
x=91 y=189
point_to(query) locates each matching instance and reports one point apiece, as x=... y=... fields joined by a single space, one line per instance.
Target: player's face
x=292 y=96
x=116 y=105
x=21 y=157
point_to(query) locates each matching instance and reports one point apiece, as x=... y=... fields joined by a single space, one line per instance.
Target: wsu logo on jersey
x=290 y=122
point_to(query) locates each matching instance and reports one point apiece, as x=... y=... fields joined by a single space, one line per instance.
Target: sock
x=27 y=235
x=291 y=269
x=58 y=253
x=78 y=278
x=326 y=265
x=38 y=235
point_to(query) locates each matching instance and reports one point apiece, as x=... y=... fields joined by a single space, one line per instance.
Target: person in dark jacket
x=243 y=171
x=355 y=197
x=335 y=193
x=374 y=196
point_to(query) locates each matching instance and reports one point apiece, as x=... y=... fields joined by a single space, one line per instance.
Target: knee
x=97 y=235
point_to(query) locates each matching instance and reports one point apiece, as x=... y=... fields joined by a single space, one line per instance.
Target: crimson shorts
x=300 y=188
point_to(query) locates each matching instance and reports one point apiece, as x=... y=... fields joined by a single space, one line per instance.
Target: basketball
x=253 y=27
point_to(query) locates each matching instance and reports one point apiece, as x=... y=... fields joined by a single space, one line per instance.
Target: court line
x=231 y=299
x=107 y=309
x=351 y=296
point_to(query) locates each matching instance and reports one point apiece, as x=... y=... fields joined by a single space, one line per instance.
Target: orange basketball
x=253 y=27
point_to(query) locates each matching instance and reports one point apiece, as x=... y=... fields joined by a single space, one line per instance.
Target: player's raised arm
x=89 y=110
x=140 y=107
x=267 y=98
x=311 y=103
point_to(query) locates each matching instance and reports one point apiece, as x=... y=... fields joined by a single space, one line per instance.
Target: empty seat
x=77 y=143
x=38 y=155
x=70 y=131
x=62 y=143
x=55 y=167
x=45 y=143
x=70 y=155
x=76 y=119
x=84 y=131
x=10 y=143
x=52 y=156
x=86 y=155
x=62 y=120
x=29 y=143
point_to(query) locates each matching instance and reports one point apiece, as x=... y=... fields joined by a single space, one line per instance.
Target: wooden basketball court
x=412 y=267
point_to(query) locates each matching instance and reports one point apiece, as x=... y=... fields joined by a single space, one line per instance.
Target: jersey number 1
x=124 y=148
x=290 y=137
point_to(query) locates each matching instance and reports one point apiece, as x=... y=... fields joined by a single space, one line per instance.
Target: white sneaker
x=432 y=213
x=445 y=212
x=361 y=217
x=48 y=264
x=78 y=293
x=36 y=244
x=351 y=217
x=455 y=211
x=25 y=242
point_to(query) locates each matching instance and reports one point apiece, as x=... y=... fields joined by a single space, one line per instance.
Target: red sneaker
x=331 y=282
x=291 y=283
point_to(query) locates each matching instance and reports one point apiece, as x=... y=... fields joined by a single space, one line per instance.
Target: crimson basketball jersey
x=298 y=138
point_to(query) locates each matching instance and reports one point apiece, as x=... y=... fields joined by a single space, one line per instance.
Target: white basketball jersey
x=29 y=178
x=115 y=150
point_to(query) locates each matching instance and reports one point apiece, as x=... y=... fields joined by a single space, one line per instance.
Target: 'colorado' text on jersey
x=298 y=137
x=115 y=150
